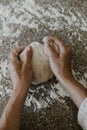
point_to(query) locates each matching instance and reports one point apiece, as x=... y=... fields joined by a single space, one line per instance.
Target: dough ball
x=40 y=64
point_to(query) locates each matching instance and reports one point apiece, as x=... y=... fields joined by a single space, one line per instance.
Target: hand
x=20 y=72
x=60 y=62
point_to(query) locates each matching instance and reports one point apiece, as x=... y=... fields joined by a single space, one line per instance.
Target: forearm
x=77 y=91
x=11 y=116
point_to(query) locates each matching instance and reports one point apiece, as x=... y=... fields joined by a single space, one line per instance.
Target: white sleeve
x=82 y=115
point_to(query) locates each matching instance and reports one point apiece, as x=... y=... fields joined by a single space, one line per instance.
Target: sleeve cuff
x=82 y=115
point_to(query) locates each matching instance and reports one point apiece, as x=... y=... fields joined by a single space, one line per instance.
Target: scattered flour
x=3 y=75
x=3 y=67
x=85 y=74
x=27 y=13
x=83 y=82
x=16 y=15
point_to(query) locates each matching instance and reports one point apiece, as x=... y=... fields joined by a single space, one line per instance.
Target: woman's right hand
x=60 y=62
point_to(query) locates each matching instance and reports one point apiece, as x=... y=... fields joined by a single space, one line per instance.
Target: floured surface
x=24 y=21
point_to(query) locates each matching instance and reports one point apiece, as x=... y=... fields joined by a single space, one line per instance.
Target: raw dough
x=40 y=64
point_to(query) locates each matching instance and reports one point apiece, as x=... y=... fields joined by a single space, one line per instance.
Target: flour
x=38 y=104
x=3 y=67
x=51 y=95
x=18 y=15
x=83 y=82
x=85 y=74
x=3 y=73
x=21 y=15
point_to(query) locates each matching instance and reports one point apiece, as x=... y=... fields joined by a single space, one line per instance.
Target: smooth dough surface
x=40 y=64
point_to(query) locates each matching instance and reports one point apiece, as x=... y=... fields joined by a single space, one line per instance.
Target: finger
x=46 y=39
x=49 y=48
x=20 y=49
x=14 y=55
x=27 y=56
x=60 y=43
x=46 y=44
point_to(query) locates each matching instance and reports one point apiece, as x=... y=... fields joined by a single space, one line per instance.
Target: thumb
x=27 y=56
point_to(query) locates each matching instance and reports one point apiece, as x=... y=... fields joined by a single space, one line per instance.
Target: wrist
x=22 y=92
x=66 y=76
x=18 y=96
x=21 y=87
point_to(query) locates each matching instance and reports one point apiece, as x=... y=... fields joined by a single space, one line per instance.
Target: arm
x=21 y=77
x=60 y=63
x=11 y=116
x=76 y=90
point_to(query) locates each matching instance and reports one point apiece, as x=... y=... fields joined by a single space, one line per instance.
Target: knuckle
x=12 y=53
x=67 y=50
x=11 y=63
x=12 y=50
x=64 y=50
